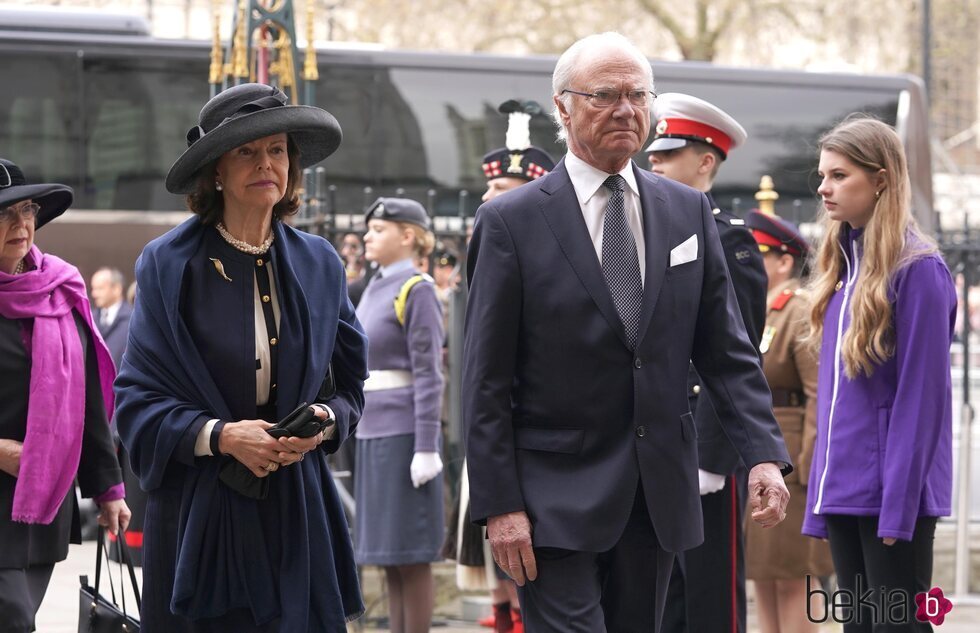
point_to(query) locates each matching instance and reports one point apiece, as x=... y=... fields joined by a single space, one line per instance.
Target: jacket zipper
x=851 y=278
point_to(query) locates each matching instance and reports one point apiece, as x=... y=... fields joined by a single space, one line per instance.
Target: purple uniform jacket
x=415 y=346
x=884 y=442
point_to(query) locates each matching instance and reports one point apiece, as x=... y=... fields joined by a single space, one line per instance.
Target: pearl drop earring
x=217 y=185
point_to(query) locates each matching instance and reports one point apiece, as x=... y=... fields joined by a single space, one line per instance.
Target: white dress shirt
x=593 y=197
x=108 y=315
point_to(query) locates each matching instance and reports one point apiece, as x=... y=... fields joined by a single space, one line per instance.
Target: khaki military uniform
x=783 y=552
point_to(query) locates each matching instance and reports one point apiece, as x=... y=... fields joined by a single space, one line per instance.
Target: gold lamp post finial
x=310 y=71
x=767 y=196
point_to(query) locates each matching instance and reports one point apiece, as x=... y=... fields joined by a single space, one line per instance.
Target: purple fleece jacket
x=415 y=347
x=884 y=442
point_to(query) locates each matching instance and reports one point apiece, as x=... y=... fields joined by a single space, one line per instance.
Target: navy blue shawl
x=224 y=558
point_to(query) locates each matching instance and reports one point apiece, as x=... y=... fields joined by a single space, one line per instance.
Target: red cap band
x=768 y=240
x=687 y=127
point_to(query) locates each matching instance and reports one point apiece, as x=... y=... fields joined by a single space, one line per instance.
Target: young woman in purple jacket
x=884 y=306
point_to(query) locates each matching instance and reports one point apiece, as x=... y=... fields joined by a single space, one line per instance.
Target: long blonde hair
x=892 y=239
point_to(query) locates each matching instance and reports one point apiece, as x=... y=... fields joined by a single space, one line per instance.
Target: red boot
x=502 y=622
x=518 y=622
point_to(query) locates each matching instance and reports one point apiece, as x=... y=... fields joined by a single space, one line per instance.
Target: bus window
x=38 y=119
x=137 y=112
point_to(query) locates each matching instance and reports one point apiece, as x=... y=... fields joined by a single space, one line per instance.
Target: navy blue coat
x=563 y=419
x=209 y=551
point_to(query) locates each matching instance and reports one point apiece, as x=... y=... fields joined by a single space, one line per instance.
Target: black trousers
x=707 y=585
x=618 y=591
x=21 y=593
x=864 y=563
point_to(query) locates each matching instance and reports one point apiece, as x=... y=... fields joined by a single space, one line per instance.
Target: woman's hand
x=248 y=442
x=889 y=541
x=114 y=515
x=293 y=449
x=10 y=456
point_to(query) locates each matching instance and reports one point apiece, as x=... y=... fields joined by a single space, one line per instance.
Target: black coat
x=716 y=453
x=563 y=419
x=23 y=544
x=116 y=334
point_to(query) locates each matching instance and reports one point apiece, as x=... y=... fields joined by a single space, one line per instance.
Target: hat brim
x=315 y=132
x=667 y=144
x=54 y=199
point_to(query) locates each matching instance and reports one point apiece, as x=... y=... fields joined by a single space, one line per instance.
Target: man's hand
x=510 y=542
x=768 y=494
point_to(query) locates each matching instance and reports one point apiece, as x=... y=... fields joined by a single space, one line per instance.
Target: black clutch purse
x=95 y=613
x=301 y=422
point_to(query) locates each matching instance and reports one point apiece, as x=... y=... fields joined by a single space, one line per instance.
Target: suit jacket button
x=696 y=389
x=641 y=431
x=637 y=363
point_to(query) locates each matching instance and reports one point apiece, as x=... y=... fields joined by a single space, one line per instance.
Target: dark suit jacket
x=116 y=334
x=563 y=419
x=716 y=453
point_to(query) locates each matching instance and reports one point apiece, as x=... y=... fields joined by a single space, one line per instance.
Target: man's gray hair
x=568 y=64
x=116 y=277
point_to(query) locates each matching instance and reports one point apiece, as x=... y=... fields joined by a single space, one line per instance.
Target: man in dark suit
x=707 y=586
x=590 y=290
x=111 y=311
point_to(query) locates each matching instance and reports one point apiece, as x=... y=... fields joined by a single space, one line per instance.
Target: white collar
x=586 y=179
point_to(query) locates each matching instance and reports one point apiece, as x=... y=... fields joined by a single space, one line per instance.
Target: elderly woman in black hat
x=397 y=480
x=56 y=385
x=240 y=321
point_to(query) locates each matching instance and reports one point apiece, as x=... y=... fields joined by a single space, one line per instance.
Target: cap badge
x=515 y=164
x=662 y=126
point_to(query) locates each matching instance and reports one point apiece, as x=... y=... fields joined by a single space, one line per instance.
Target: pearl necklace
x=245 y=247
x=20 y=267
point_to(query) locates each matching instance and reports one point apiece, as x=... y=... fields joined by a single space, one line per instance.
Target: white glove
x=425 y=466
x=707 y=482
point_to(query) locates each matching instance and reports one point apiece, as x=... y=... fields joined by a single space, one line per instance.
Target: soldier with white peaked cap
x=707 y=585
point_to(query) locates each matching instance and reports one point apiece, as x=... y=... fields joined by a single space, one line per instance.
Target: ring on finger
x=271 y=466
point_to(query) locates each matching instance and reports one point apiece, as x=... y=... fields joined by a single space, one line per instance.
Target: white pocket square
x=686 y=251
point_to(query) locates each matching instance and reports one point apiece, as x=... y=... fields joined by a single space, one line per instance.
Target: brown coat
x=783 y=552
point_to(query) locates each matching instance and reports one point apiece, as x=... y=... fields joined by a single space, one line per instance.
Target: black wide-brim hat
x=247 y=112
x=54 y=199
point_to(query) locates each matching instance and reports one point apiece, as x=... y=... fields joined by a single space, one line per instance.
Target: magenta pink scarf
x=56 y=407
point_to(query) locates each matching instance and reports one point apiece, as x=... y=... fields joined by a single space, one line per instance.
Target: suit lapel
x=563 y=215
x=653 y=207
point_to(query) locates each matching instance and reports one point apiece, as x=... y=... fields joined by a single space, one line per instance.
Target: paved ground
x=59 y=613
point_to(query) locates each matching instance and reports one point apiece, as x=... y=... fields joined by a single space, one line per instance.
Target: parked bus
x=104 y=107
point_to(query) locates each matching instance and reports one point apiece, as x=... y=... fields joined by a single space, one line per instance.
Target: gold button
x=259 y=262
x=273 y=341
x=265 y=299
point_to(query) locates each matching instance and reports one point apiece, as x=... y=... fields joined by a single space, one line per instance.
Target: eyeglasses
x=26 y=212
x=606 y=98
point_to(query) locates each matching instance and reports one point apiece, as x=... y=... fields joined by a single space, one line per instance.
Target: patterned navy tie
x=620 y=264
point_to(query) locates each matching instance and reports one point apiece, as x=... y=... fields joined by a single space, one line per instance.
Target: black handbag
x=95 y=613
x=301 y=422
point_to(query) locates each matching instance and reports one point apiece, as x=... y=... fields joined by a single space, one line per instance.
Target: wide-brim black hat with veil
x=247 y=112
x=53 y=198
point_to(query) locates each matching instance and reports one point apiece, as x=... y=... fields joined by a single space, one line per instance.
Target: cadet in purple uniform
x=398 y=482
x=884 y=306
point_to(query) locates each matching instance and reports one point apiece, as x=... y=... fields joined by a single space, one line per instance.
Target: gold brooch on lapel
x=220 y=268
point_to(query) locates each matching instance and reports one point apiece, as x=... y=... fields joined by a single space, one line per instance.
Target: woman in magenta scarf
x=56 y=387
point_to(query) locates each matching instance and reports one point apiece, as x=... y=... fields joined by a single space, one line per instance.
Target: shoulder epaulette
x=401 y=299
x=780 y=302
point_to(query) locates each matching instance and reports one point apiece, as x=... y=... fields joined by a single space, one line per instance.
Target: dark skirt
x=396 y=523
